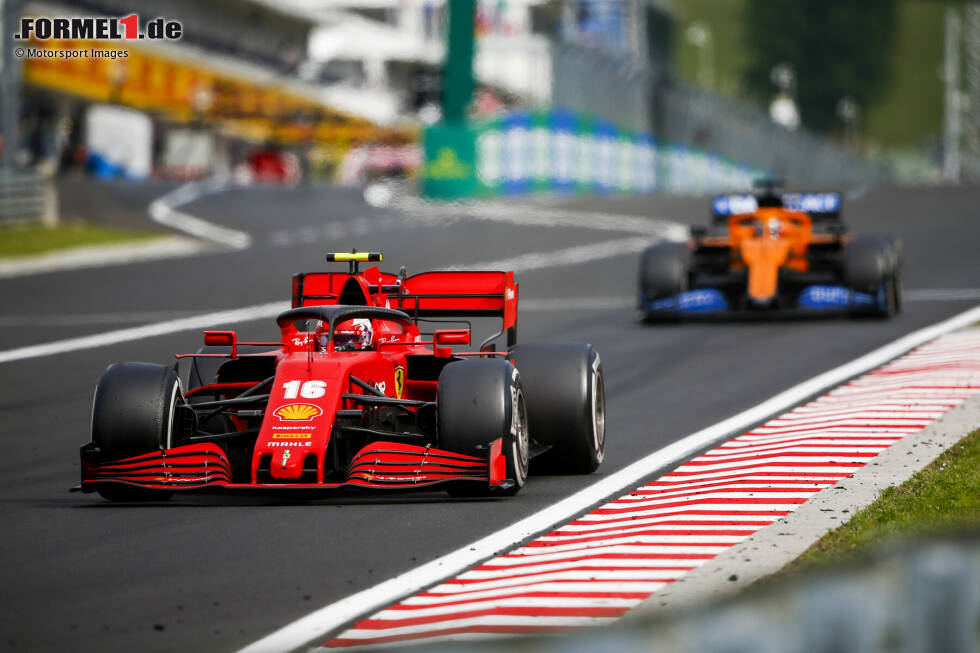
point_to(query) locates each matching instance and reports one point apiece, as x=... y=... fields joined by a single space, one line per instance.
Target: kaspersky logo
x=98 y=28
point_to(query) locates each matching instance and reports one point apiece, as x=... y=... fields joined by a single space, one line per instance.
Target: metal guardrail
x=702 y=119
x=919 y=600
x=588 y=81
x=680 y=114
x=22 y=196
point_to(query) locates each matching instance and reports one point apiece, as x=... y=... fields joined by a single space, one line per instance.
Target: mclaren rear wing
x=449 y=294
x=820 y=206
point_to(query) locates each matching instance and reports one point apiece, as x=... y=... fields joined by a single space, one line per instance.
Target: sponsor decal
x=734 y=204
x=514 y=414
x=812 y=202
x=292 y=436
x=286 y=427
x=703 y=300
x=298 y=412
x=399 y=381
x=291 y=443
x=447 y=165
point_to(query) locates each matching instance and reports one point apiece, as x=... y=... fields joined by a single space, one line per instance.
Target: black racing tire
x=894 y=244
x=872 y=264
x=664 y=271
x=892 y=296
x=477 y=402
x=869 y=260
x=134 y=413
x=565 y=395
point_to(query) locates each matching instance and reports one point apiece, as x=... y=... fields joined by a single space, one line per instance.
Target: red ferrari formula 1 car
x=354 y=395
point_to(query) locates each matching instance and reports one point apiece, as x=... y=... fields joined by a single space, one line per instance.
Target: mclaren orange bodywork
x=766 y=241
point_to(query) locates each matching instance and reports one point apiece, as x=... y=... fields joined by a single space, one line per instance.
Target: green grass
x=942 y=498
x=909 y=113
x=32 y=239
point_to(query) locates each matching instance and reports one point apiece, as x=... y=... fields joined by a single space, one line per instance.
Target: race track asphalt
x=214 y=574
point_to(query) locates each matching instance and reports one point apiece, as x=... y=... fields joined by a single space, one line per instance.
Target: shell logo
x=297 y=412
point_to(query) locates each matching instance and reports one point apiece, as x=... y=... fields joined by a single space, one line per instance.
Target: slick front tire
x=664 y=270
x=134 y=413
x=479 y=401
x=565 y=404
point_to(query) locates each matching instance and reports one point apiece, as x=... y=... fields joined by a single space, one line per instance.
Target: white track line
x=203 y=321
x=553 y=578
x=331 y=617
x=606 y=302
x=97 y=256
x=569 y=256
x=532 y=216
x=164 y=210
x=525 y=263
x=941 y=294
x=39 y=320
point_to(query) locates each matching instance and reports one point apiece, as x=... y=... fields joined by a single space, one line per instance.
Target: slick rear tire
x=477 y=402
x=889 y=297
x=869 y=260
x=565 y=395
x=134 y=413
x=872 y=264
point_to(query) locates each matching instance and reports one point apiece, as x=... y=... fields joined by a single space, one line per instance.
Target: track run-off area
x=218 y=573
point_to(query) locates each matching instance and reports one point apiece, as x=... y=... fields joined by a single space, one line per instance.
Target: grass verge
x=31 y=239
x=942 y=498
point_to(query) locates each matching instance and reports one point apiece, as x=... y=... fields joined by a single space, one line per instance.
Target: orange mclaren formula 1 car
x=771 y=252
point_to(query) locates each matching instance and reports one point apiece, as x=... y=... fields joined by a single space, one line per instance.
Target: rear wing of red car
x=448 y=294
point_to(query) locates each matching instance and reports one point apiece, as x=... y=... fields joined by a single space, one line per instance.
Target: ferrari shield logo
x=399 y=381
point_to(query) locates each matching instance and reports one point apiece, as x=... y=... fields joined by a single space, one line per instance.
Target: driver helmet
x=353 y=335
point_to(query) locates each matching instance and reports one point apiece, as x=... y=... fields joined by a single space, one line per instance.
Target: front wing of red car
x=379 y=465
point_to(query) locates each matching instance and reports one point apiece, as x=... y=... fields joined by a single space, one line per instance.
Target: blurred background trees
x=839 y=53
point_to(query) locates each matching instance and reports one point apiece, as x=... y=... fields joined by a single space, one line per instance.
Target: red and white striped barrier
x=595 y=568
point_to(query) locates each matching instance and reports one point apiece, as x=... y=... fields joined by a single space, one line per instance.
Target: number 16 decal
x=307 y=390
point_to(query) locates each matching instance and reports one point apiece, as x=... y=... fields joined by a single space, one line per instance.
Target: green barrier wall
x=561 y=152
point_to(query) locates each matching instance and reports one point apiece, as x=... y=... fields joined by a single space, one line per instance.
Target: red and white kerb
x=591 y=571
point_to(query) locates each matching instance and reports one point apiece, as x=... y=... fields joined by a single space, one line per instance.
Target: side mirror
x=452 y=337
x=222 y=339
x=445 y=337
